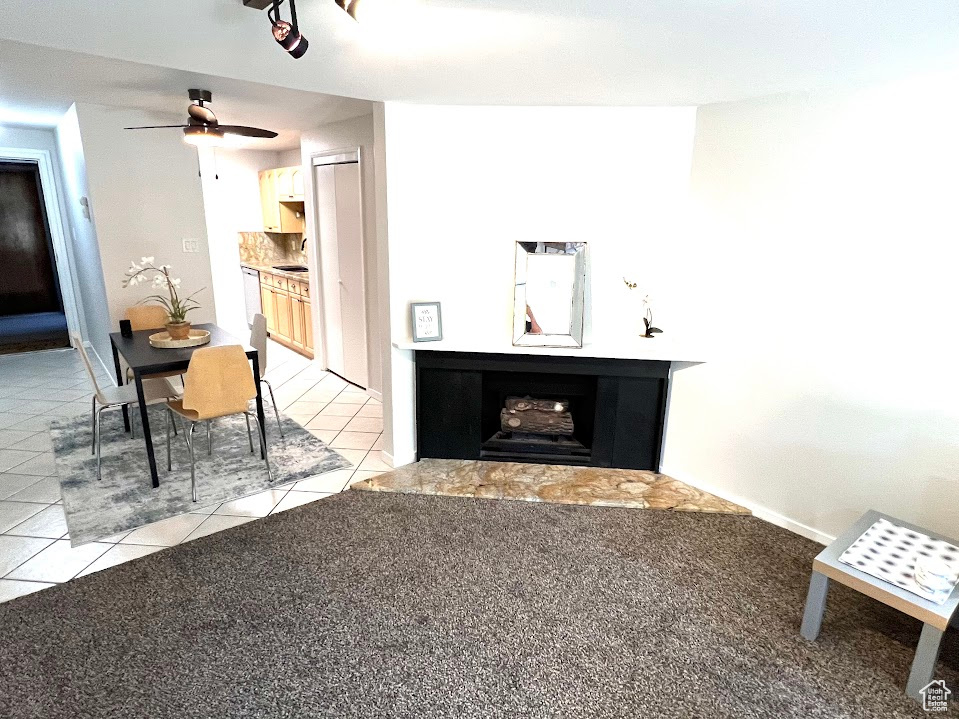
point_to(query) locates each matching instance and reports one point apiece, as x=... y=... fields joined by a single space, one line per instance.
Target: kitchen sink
x=291 y=268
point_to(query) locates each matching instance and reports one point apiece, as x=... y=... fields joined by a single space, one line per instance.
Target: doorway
x=32 y=313
x=339 y=215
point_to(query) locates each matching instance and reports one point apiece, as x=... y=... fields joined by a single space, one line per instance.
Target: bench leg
x=815 y=606
x=924 y=663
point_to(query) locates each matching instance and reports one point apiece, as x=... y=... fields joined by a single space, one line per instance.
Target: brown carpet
x=386 y=605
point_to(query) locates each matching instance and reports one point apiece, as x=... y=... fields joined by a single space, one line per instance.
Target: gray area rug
x=383 y=605
x=125 y=499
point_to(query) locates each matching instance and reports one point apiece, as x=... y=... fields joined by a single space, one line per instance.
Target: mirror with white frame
x=550 y=291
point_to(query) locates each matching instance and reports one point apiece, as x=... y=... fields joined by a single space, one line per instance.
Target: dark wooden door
x=28 y=277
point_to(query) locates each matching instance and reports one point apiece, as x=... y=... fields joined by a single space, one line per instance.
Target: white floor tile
x=378 y=444
x=295 y=499
x=45 y=490
x=324 y=435
x=59 y=562
x=354 y=440
x=42 y=465
x=325 y=483
x=341 y=409
x=370 y=410
x=375 y=462
x=305 y=407
x=119 y=554
x=14 y=551
x=352 y=398
x=365 y=424
x=10 y=437
x=35 y=423
x=10 y=458
x=36 y=442
x=353 y=456
x=256 y=505
x=48 y=523
x=13 y=483
x=166 y=532
x=322 y=421
x=13 y=513
x=209 y=509
x=13 y=588
x=217 y=523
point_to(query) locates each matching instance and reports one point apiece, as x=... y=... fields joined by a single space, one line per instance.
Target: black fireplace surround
x=618 y=406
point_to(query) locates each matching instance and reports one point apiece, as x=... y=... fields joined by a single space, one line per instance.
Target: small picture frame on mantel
x=427 y=321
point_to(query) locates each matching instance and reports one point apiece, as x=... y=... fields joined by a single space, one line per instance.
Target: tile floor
x=35 y=551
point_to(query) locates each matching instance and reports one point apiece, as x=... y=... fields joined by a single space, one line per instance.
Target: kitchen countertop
x=302 y=276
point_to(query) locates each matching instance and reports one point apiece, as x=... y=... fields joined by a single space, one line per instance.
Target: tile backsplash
x=273 y=248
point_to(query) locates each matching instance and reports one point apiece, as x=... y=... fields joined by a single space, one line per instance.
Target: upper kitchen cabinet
x=281 y=197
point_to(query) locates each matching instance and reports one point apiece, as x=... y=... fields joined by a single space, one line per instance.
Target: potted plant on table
x=177 y=308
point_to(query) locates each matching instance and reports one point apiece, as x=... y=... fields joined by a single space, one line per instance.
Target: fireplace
x=616 y=408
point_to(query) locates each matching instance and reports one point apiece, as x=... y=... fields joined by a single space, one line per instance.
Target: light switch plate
x=191 y=245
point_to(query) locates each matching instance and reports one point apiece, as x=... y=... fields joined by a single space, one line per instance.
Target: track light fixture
x=287 y=34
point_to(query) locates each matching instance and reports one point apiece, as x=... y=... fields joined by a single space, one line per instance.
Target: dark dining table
x=145 y=359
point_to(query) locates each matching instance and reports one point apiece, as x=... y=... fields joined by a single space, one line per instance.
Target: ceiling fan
x=203 y=128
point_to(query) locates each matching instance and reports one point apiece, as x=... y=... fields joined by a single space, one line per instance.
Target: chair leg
x=133 y=424
x=275 y=408
x=93 y=429
x=97 y=439
x=189 y=441
x=209 y=437
x=266 y=454
x=169 y=463
x=249 y=434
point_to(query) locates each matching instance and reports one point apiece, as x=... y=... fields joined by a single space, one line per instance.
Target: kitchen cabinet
x=281 y=200
x=268 y=301
x=286 y=304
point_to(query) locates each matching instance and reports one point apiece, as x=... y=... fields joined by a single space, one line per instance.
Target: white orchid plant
x=176 y=307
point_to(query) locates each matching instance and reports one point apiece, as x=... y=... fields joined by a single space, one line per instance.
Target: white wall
x=289 y=158
x=466 y=183
x=231 y=199
x=348 y=135
x=87 y=266
x=826 y=253
x=146 y=197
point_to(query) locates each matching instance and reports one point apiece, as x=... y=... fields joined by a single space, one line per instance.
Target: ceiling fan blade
x=246 y=131
x=154 y=127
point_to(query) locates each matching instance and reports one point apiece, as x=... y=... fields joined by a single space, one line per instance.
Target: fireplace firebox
x=616 y=408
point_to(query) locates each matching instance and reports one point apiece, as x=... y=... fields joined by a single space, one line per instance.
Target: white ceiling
x=610 y=52
x=33 y=93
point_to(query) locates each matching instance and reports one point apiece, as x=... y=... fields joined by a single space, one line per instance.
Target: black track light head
x=287 y=34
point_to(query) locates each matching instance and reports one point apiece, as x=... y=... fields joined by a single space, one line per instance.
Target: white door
x=340 y=226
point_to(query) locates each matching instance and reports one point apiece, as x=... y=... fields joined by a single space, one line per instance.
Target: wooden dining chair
x=258 y=342
x=113 y=397
x=218 y=383
x=148 y=317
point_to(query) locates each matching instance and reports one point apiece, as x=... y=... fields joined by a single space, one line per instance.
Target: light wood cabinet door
x=297 y=178
x=269 y=201
x=284 y=317
x=268 y=300
x=308 y=327
x=284 y=184
x=296 y=310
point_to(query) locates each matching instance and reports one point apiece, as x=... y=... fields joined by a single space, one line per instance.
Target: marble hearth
x=558 y=484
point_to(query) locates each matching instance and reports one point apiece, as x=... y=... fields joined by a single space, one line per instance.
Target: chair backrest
x=147 y=317
x=218 y=382
x=258 y=340
x=78 y=342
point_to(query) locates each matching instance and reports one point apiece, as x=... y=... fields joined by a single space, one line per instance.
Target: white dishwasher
x=251 y=294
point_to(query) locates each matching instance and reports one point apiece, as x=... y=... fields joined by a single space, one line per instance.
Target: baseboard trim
x=393 y=462
x=759 y=511
x=378 y=396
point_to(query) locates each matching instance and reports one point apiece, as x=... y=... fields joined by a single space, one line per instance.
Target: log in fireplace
x=607 y=412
